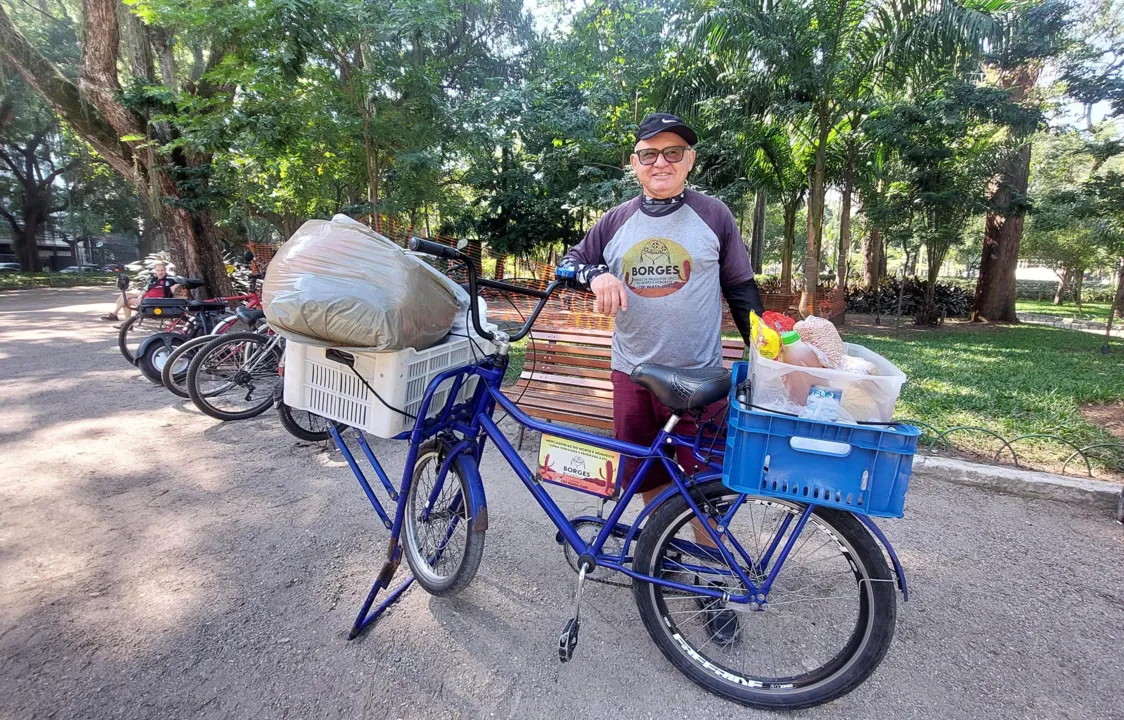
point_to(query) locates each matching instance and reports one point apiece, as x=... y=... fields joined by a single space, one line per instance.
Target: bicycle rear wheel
x=304 y=425
x=137 y=329
x=234 y=376
x=825 y=626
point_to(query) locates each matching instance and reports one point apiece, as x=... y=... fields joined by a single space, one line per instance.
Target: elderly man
x=660 y=264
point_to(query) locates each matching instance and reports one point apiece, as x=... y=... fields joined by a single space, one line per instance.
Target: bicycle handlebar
x=444 y=251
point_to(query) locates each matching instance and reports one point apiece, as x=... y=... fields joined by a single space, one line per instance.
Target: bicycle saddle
x=188 y=283
x=681 y=389
x=249 y=316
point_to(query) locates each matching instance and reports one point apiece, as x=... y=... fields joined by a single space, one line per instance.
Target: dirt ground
x=156 y=563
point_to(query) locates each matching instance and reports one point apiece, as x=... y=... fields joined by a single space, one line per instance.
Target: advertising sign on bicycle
x=578 y=466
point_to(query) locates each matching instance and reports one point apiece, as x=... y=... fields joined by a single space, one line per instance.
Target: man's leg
x=635 y=420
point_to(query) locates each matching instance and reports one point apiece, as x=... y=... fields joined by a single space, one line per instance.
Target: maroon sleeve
x=591 y=250
x=734 y=267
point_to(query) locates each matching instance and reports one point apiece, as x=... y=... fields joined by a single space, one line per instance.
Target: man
x=660 y=264
x=159 y=285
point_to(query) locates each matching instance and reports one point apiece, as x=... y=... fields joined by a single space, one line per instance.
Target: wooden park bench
x=566 y=376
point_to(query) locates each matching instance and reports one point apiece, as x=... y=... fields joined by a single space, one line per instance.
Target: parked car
x=113 y=268
x=75 y=269
x=10 y=267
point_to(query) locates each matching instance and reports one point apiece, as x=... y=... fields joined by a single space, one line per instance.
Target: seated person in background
x=159 y=286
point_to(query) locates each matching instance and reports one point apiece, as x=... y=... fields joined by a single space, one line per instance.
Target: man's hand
x=610 y=294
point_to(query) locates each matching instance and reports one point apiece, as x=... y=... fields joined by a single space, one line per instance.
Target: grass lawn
x=20 y=281
x=1011 y=380
x=1089 y=310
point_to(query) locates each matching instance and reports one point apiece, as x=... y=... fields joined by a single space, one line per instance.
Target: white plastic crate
x=327 y=387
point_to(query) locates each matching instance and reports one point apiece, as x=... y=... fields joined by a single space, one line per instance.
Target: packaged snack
x=819 y=332
x=777 y=321
x=765 y=339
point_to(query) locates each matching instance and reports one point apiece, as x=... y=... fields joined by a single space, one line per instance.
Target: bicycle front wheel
x=234 y=376
x=824 y=627
x=442 y=550
x=174 y=372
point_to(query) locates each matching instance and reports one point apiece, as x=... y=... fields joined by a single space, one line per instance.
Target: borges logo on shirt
x=656 y=267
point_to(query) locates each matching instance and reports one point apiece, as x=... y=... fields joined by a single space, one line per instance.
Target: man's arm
x=736 y=274
x=591 y=272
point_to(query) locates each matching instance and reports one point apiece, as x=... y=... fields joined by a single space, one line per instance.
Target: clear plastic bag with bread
x=867 y=396
x=341 y=284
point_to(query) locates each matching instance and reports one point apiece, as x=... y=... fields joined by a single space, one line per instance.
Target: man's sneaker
x=721 y=621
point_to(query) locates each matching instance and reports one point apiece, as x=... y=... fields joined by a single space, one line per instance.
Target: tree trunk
x=995 y=290
x=872 y=258
x=1063 y=281
x=1003 y=231
x=29 y=249
x=842 y=256
x=757 y=238
x=815 y=221
x=1117 y=305
x=789 y=241
x=1078 y=282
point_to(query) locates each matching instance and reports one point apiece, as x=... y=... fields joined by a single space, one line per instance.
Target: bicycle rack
x=366 y=615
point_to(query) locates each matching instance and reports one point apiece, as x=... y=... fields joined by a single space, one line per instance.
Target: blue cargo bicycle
x=759 y=572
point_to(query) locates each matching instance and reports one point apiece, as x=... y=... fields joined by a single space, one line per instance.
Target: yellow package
x=767 y=340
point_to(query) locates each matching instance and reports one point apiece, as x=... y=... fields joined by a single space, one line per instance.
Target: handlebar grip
x=431 y=248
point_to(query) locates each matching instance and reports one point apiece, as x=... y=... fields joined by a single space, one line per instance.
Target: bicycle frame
x=469 y=425
x=466 y=428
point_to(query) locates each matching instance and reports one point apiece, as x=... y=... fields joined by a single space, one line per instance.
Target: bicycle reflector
x=157 y=311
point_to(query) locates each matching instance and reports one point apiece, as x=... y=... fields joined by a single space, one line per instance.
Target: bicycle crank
x=568 y=640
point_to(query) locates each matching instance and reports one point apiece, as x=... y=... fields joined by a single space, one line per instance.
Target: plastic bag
x=340 y=284
x=765 y=338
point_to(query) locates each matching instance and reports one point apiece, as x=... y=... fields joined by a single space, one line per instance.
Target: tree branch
x=11 y=220
x=62 y=170
x=62 y=94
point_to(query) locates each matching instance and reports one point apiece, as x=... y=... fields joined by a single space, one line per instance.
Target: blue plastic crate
x=862 y=469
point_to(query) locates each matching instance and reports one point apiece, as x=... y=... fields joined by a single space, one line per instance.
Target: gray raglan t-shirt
x=675 y=259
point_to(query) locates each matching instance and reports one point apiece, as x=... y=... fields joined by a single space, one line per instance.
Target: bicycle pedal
x=568 y=640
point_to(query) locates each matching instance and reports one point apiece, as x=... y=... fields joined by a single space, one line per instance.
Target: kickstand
x=367 y=616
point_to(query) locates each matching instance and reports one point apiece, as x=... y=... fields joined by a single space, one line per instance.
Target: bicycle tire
x=848 y=668
x=291 y=420
x=176 y=382
x=196 y=373
x=430 y=455
x=156 y=356
x=131 y=334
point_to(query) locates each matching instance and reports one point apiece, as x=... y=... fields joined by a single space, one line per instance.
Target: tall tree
x=1031 y=34
x=32 y=162
x=95 y=108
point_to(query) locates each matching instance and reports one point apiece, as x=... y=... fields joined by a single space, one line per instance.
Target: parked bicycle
x=768 y=585
x=235 y=376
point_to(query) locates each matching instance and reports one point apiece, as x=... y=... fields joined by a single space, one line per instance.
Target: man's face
x=663 y=179
x=160 y=270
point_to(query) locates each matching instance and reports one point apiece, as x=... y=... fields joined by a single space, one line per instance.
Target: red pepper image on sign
x=546 y=470
x=607 y=476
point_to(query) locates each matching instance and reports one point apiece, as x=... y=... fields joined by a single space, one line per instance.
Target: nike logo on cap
x=666 y=121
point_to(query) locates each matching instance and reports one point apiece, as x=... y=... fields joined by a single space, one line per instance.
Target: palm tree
x=825 y=56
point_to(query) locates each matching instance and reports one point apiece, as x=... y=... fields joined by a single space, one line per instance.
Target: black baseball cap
x=657 y=123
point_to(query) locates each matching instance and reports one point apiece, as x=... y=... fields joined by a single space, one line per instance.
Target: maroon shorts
x=637 y=418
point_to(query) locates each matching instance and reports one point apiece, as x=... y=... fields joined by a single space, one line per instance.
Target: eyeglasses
x=673 y=154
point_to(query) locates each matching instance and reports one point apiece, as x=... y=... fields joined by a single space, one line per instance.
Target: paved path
x=1089 y=326
x=155 y=563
